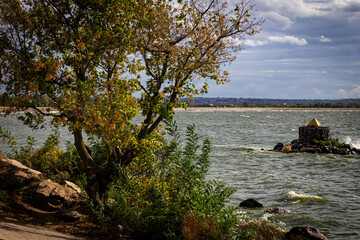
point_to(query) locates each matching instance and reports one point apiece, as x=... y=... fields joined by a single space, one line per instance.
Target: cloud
x=347 y=5
x=324 y=39
x=278 y=20
x=316 y=93
x=253 y=43
x=288 y=39
x=291 y=8
x=233 y=41
x=281 y=13
x=353 y=93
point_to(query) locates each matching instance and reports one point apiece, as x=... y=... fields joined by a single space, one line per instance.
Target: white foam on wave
x=353 y=143
x=292 y=195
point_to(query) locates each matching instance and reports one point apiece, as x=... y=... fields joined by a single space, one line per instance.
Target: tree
x=87 y=56
x=190 y=43
x=75 y=53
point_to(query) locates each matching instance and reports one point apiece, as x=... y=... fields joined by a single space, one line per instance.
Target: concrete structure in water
x=313 y=130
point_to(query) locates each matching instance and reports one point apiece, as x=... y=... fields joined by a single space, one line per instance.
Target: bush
x=331 y=142
x=173 y=200
x=49 y=159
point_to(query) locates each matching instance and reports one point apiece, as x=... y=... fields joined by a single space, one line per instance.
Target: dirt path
x=10 y=230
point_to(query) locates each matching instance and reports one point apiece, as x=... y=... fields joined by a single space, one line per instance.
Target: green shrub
x=48 y=159
x=173 y=200
x=24 y=152
x=331 y=142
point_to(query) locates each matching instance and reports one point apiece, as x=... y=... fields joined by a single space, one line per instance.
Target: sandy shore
x=260 y=109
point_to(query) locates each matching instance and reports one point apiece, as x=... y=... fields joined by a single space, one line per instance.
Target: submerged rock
x=304 y=233
x=277 y=210
x=251 y=203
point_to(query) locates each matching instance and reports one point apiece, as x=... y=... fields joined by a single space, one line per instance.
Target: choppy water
x=321 y=190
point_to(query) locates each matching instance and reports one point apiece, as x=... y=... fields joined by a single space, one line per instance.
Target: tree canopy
x=91 y=57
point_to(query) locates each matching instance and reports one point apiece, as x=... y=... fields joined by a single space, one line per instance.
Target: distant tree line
x=315 y=105
x=45 y=101
x=37 y=99
x=265 y=102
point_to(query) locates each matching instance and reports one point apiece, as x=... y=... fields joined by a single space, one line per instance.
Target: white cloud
x=353 y=93
x=253 y=43
x=282 y=12
x=291 y=8
x=278 y=20
x=324 y=39
x=288 y=39
x=341 y=93
x=316 y=93
x=233 y=41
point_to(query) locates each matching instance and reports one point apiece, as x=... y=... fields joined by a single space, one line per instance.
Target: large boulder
x=304 y=233
x=251 y=203
x=49 y=195
x=14 y=175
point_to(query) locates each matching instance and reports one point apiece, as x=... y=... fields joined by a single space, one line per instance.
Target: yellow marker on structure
x=314 y=123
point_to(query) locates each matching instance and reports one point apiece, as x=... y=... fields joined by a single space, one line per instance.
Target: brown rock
x=49 y=195
x=14 y=174
x=304 y=233
x=286 y=149
x=68 y=215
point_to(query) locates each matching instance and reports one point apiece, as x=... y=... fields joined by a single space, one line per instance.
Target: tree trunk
x=92 y=186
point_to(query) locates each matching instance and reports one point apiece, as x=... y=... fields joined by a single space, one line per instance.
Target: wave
x=353 y=143
x=292 y=195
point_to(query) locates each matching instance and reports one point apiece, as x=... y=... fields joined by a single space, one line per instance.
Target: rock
x=347 y=146
x=68 y=215
x=310 y=149
x=251 y=203
x=278 y=147
x=14 y=174
x=73 y=186
x=295 y=142
x=277 y=210
x=286 y=149
x=304 y=233
x=49 y=195
x=343 y=151
x=355 y=151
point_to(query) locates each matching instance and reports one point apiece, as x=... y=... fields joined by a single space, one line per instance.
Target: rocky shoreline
x=295 y=233
x=296 y=147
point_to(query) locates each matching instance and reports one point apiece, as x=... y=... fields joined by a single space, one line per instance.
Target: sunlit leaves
x=185 y=46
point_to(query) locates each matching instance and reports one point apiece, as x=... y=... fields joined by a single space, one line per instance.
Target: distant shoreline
x=259 y=109
x=235 y=109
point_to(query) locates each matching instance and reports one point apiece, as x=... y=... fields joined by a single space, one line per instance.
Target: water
x=321 y=190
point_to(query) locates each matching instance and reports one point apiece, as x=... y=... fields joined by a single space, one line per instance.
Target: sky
x=307 y=49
